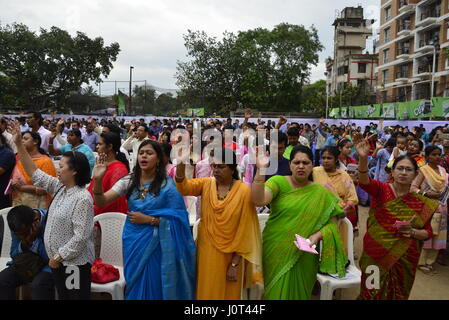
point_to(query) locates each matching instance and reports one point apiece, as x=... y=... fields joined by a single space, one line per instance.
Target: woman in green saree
x=297 y=207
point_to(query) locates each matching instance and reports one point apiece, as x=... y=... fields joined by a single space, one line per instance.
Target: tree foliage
x=260 y=68
x=43 y=69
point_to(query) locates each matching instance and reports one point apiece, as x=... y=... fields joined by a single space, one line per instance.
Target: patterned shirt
x=69 y=229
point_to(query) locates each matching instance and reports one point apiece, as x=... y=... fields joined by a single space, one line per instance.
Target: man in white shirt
x=35 y=122
x=23 y=125
x=134 y=141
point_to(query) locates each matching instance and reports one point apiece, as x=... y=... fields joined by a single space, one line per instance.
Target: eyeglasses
x=406 y=169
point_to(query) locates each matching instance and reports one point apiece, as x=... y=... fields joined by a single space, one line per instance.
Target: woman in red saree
x=117 y=167
x=390 y=250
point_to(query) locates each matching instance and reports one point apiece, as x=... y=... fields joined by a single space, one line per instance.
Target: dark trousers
x=64 y=285
x=42 y=285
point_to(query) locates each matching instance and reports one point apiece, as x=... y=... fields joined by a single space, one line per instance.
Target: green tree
x=145 y=98
x=314 y=97
x=260 y=68
x=44 y=69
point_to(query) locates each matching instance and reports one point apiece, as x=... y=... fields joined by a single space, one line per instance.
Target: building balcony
x=402 y=76
x=406 y=7
x=425 y=46
x=424 y=70
x=403 y=53
x=405 y=29
x=428 y=18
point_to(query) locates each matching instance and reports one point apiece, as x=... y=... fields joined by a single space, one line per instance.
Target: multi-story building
x=350 y=65
x=412 y=41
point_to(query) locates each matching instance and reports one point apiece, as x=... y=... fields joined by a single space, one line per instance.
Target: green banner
x=197 y=112
x=334 y=113
x=440 y=107
x=388 y=111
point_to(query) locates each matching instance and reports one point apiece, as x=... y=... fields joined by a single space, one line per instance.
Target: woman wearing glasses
x=398 y=223
x=68 y=234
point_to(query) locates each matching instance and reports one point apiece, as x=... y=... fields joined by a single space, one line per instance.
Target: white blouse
x=70 y=225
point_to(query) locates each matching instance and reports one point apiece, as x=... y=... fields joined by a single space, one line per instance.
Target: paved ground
x=426 y=287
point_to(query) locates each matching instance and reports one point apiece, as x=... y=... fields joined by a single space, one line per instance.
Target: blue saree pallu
x=160 y=261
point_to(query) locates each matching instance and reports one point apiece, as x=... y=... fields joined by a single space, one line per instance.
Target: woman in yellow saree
x=431 y=182
x=229 y=241
x=297 y=207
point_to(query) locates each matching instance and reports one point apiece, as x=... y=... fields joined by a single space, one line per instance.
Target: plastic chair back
x=263 y=217
x=6 y=241
x=111 y=224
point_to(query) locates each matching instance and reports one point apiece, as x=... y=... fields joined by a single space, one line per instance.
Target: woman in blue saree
x=158 y=249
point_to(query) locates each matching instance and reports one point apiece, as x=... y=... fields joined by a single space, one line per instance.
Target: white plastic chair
x=111 y=252
x=256 y=292
x=7 y=241
x=329 y=284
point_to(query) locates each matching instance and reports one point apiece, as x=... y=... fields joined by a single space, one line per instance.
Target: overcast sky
x=150 y=33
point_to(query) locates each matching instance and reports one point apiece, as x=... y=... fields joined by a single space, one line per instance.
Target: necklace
x=143 y=190
x=224 y=197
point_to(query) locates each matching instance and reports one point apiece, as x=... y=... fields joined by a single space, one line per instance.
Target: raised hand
x=14 y=127
x=361 y=145
x=262 y=158
x=248 y=113
x=100 y=167
x=282 y=120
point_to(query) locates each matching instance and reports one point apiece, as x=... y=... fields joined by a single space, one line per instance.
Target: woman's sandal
x=425 y=269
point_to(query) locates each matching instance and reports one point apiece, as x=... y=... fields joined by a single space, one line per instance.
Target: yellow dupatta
x=435 y=180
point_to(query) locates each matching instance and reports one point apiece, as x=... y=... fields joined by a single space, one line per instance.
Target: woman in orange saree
x=398 y=223
x=229 y=241
x=23 y=192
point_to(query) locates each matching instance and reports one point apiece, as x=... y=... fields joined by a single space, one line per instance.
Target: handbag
x=27 y=265
x=436 y=223
x=103 y=273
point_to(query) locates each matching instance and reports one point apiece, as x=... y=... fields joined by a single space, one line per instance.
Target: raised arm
x=101 y=198
x=281 y=122
x=362 y=148
x=260 y=195
x=25 y=157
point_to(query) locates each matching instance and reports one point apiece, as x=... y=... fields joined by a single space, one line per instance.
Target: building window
x=386 y=55
x=387 y=14
x=361 y=83
x=384 y=96
x=385 y=76
x=387 y=34
x=362 y=67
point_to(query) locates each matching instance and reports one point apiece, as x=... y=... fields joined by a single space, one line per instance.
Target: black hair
x=146 y=129
x=431 y=149
x=160 y=177
x=3 y=142
x=282 y=138
x=113 y=139
x=113 y=128
x=403 y=157
x=20 y=216
x=166 y=149
x=333 y=151
x=38 y=116
x=226 y=155
x=78 y=162
x=391 y=143
x=302 y=149
x=293 y=131
x=342 y=143
x=36 y=137
x=421 y=144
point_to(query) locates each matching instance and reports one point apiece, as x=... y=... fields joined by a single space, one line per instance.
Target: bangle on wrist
x=179 y=178
x=364 y=171
x=57 y=257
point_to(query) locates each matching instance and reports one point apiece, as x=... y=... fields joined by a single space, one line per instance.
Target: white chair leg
x=326 y=292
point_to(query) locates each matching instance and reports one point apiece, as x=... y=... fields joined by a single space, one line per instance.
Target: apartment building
x=413 y=37
x=351 y=65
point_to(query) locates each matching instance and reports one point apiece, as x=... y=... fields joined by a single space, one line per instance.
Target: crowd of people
x=58 y=174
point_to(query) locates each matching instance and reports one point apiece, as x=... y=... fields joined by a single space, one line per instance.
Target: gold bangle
x=259 y=181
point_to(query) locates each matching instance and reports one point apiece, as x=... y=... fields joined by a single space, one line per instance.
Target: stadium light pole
x=130 y=85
